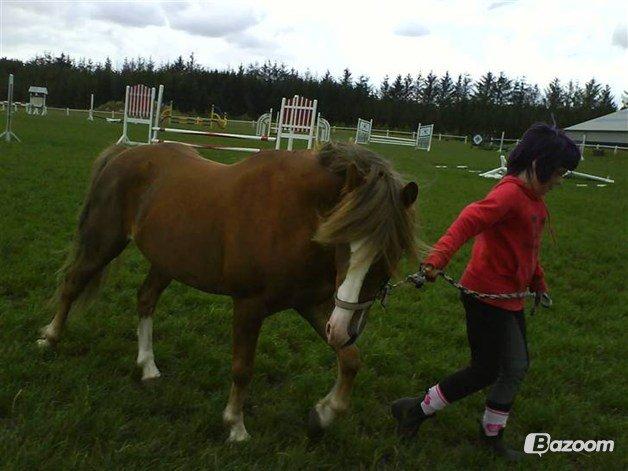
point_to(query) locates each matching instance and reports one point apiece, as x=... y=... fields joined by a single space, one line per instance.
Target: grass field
x=83 y=406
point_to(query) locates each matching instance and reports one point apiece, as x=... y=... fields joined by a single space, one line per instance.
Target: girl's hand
x=546 y=300
x=431 y=273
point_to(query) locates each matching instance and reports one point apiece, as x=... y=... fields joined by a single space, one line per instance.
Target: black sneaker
x=498 y=447
x=409 y=415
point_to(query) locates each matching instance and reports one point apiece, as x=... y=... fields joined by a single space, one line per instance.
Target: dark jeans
x=499 y=355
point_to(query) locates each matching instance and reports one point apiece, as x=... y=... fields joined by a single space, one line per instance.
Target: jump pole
x=589 y=177
x=214 y=134
x=584 y=145
x=90 y=117
x=155 y=129
x=152 y=137
x=208 y=146
x=7 y=134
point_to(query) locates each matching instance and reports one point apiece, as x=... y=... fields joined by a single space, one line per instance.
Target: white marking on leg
x=235 y=421
x=47 y=333
x=43 y=343
x=145 y=356
x=330 y=406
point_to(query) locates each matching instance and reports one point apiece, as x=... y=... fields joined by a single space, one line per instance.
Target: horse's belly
x=183 y=237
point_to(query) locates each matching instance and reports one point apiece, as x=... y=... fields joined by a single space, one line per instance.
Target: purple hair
x=546 y=145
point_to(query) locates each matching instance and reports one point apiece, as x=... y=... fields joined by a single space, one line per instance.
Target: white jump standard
x=140 y=108
x=296 y=120
x=264 y=124
x=8 y=134
x=500 y=172
x=139 y=103
x=90 y=116
x=323 y=129
x=424 y=137
x=363 y=131
x=421 y=140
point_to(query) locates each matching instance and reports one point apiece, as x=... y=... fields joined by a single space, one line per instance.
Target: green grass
x=83 y=405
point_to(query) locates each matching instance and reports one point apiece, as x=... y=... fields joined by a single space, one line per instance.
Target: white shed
x=610 y=129
x=37 y=101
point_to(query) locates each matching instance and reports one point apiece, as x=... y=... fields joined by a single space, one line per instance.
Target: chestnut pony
x=316 y=231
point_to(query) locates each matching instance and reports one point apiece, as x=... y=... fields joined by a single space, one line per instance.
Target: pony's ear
x=354 y=179
x=409 y=194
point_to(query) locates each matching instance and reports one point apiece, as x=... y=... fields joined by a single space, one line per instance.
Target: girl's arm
x=538 y=284
x=472 y=220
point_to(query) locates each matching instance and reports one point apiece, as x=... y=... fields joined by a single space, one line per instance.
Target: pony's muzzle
x=343 y=330
x=336 y=329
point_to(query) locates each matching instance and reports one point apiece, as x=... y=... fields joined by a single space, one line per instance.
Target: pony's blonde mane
x=372 y=210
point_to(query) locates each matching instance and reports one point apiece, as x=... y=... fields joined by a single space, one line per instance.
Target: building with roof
x=37 y=101
x=610 y=129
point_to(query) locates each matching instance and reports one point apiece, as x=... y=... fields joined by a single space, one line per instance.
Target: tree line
x=457 y=104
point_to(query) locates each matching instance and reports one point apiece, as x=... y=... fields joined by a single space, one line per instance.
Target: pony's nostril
x=328 y=329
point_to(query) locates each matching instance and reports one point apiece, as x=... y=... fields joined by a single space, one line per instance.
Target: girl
x=507 y=227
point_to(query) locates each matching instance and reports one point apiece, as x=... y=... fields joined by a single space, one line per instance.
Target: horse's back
x=225 y=228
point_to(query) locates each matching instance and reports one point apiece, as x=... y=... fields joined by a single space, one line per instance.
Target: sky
x=537 y=39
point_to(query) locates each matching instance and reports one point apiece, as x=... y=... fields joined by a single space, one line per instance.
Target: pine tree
x=417 y=87
x=408 y=88
x=462 y=89
x=554 y=96
x=384 y=88
x=606 y=102
x=346 y=81
x=502 y=90
x=428 y=94
x=396 y=89
x=485 y=89
x=591 y=94
x=363 y=85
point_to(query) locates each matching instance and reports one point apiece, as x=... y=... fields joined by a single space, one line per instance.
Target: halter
x=356 y=325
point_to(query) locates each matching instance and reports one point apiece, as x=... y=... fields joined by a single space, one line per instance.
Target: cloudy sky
x=538 y=39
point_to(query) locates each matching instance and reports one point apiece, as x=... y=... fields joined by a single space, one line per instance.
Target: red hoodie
x=507 y=227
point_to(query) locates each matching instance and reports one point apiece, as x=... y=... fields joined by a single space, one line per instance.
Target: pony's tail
x=87 y=245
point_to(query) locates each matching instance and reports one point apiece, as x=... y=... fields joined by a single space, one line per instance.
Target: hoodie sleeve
x=473 y=219
x=538 y=285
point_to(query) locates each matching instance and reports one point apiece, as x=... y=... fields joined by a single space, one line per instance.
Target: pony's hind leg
x=99 y=239
x=338 y=399
x=85 y=268
x=147 y=296
x=247 y=321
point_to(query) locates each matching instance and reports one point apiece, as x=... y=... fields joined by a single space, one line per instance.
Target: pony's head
x=371 y=227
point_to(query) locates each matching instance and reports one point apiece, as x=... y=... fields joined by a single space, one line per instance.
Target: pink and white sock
x=434 y=400
x=493 y=421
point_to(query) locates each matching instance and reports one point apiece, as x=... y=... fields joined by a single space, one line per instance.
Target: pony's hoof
x=315 y=429
x=151 y=380
x=44 y=343
x=238 y=436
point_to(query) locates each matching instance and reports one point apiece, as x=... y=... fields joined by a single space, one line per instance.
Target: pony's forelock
x=373 y=210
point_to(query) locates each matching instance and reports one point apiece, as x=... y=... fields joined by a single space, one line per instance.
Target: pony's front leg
x=339 y=398
x=247 y=320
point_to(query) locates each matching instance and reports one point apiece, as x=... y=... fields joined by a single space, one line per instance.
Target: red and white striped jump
x=296 y=120
x=140 y=105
